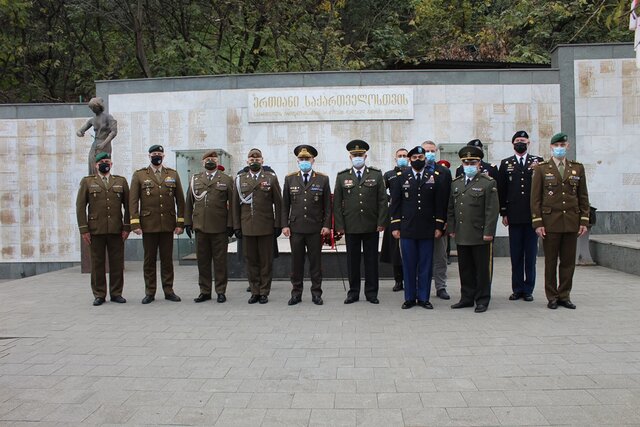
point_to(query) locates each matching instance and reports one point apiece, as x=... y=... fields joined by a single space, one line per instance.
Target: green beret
x=155 y=148
x=559 y=137
x=101 y=156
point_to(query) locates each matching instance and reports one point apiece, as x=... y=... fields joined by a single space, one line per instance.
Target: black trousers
x=309 y=244
x=475 y=264
x=368 y=242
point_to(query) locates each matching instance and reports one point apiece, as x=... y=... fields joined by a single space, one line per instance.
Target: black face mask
x=210 y=166
x=156 y=160
x=104 y=167
x=255 y=167
x=418 y=164
x=520 y=147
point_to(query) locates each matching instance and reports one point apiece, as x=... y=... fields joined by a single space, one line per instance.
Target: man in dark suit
x=485 y=168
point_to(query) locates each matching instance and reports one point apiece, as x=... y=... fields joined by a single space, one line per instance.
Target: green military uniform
x=157 y=207
x=257 y=212
x=207 y=210
x=473 y=213
x=107 y=197
x=560 y=204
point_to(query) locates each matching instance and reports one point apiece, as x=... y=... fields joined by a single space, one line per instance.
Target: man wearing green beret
x=560 y=214
x=104 y=227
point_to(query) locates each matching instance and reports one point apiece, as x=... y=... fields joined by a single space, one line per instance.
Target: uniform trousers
x=258 y=252
x=523 y=247
x=152 y=243
x=560 y=246
x=475 y=263
x=101 y=245
x=440 y=263
x=306 y=244
x=417 y=255
x=366 y=244
x=212 y=247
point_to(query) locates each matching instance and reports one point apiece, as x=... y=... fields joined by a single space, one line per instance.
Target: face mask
x=304 y=165
x=431 y=157
x=418 y=164
x=559 y=152
x=210 y=165
x=402 y=162
x=357 y=162
x=520 y=147
x=156 y=160
x=104 y=167
x=470 y=171
x=255 y=167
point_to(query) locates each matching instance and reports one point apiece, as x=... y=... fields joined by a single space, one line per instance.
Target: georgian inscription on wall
x=303 y=105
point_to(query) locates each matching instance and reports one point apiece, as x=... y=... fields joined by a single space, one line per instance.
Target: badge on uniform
x=170 y=180
x=431 y=180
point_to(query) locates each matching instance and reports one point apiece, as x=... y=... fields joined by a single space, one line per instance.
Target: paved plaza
x=64 y=362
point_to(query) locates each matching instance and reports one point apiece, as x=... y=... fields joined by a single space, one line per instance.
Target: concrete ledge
x=617 y=251
x=19 y=270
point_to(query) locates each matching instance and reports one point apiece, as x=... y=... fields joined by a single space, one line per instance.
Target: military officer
x=486 y=168
x=560 y=214
x=472 y=219
x=306 y=216
x=207 y=212
x=514 y=192
x=418 y=213
x=106 y=226
x=390 y=252
x=360 y=213
x=157 y=213
x=257 y=216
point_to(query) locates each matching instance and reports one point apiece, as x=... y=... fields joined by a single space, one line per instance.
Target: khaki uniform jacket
x=473 y=209
x=208 y=203
x=360 y=207
x=306 y=208
x=108 y=205
x=560 y=204
x=153 y=202
x=264 y=213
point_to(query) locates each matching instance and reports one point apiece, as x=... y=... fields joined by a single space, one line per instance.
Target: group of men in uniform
x=423 y=205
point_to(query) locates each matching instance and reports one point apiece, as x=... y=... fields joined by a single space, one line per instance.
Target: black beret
x=305 y=150
x=475 y=143
x=519 y=134
x=357 y=146
x=416 y=150
x=156 y=147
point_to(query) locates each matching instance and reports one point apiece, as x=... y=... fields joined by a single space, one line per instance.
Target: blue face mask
x=559 y=152
x=304 y=165
x=470 y=171
x=402 y=162
x=357 y=162
x=431 y=157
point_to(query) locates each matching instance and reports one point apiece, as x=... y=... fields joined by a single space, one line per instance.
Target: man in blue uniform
x=514 y=191
x=485 y=168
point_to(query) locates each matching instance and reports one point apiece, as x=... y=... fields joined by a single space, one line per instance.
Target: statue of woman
x=105 y=128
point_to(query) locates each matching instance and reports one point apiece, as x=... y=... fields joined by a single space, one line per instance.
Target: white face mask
x=357 y=162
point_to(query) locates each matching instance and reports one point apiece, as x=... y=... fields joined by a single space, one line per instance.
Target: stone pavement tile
x=231 y=417
x=197 y=416
x=371 y=362
x=617 y=396
x=111 y=414
x=195 y=399
x=9 y=406
x=392 y=373
x=16 y=368
x=267 y=362
x=614 y=381
x=270 y=400
x=54 y=396
x=153 y=415
x=107 y=371
x=473 y=416
x=336 y=386
x=414 y=385
x=488 y=383
x=71 y=413
x=30 y=411
x=399 y=400
x=355 y=352
x=454 y=384
x=379 y=417
x=278 y=373
x=338 y=362
x=574 y=415
x=110 y=397
x=321 y=373
x=580 y=369
x=443 y=399
x=256 y=384
x=243 y=373
x=141 y=384
x=407 y=362
x=148 y=398
x=216 y=372
x=613 y=414
x=356 y=400
x=426 y=417
x=519 y=416
x=299 y=385
x=376 y=386
x=346 y=373
x=26 y=381
x=333 y=418
x=302 y=362
x=571 y=397
x=485 y=398
x=184 y=384
x=286 y=417
x=565 y=382
x=313 y=400
x=429 y=372
x=539 y=370
x=235 y=362
x=529 y=398
x=229 y=400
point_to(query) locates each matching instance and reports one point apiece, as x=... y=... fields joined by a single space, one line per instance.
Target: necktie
x=561 y=168
x=359 y=176
x=467 y=183
x=522 y=161
x=210 y=177
x=105 y=180
x=306 y=178
x=158 y=174
x=418 y=177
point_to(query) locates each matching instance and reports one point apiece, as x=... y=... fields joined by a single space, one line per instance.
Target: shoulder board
x=141 y=170
x=575 y=162
x=169 y=169
x=292 y=174
x=458 y=178
x=320 y=173
x=269 y=172
x=267 y=168
x=398 y=173
x=345 y=170
x=374 y=168
x=486 y=176
x=89 y=176
x=117 y=176
x=543 y=162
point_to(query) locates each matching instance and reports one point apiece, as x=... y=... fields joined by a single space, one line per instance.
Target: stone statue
x=105 y=128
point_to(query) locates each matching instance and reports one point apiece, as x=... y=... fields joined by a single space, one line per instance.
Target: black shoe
x=317 y=300
x=254 y=299
x=148 y=298
x=425 y=304
x=263 y=299
x=373 y=300
x=567 y=304
x=461 y=305
x=98 y=301
x=408 y=304
x=442 y=294
x=202 y=298
x=351 y=300
x=528 y=297
x=514 y=296
x=248 y=288
x=398 y=286
x=553 y=304
x=174 y=297
x=294 y=300
x=221 y=298
x=481 y=308
x=119 y=299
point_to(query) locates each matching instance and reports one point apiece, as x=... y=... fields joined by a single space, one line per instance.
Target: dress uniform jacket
x=473 y=209
x=360 y=207
x=560 y=204
x=485 y=168
x=108 y=205
x=306 y=208
x=158 y=200
x=514 y=188
x=390 y=252
x=208 y=210
x=264 y=213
